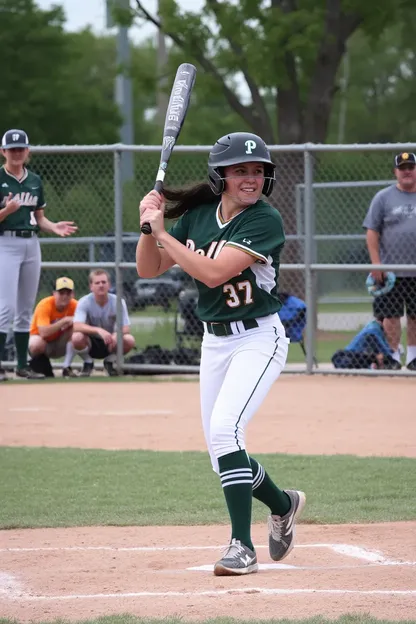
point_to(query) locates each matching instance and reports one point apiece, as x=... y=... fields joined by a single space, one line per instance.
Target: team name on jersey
x=213 y=249
x=26 y=199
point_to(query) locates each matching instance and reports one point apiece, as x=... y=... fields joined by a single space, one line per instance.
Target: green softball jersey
x=29 y=191
x=258 y=231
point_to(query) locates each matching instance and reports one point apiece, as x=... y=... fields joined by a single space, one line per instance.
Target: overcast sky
x=82 y=13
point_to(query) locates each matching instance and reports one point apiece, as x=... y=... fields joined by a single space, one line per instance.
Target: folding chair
x=293 y=317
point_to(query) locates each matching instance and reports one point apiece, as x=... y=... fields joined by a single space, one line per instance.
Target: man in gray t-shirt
x=95 y=329
x=391 y=239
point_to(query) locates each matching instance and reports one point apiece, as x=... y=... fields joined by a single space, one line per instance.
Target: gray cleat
x=237 y=559
x=282 y=528
x=28 y=373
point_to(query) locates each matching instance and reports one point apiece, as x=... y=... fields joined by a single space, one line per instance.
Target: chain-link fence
x=323 y=193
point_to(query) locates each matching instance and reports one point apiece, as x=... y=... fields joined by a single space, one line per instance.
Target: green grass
x=43 y=487
x=163 y=334
x=344 y=308
x=131 y=619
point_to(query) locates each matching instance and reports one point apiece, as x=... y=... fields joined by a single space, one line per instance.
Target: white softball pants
x=20 y=262
x=236 y=373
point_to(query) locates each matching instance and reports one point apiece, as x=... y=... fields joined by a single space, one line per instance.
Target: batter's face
x=15 y=157
x=244 y=182
x=100 y=285
x=406 y=177
x=62 y=298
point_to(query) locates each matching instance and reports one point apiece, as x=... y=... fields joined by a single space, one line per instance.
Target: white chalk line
x=221 y=592
x=97 y=412
x=10 y=586
x=349 y=550
x=32 y=409
x=124 y=412
x=12 y=589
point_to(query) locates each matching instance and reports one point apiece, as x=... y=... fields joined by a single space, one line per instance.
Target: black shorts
x=401 y=297
x=98 y=349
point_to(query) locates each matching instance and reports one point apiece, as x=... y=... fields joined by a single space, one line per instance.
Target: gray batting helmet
x=235 y=148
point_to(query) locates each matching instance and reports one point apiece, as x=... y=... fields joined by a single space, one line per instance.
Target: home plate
x=262 y=566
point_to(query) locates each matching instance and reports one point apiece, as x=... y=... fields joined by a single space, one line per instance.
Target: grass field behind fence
x=163 y=334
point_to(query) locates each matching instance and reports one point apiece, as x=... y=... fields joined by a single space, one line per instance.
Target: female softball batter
x=22 y=206
x=229 y=240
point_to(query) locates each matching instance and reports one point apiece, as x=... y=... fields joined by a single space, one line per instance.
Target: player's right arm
x=47 y=329
x=151 y=260
x=10 y=206
x=374 y=224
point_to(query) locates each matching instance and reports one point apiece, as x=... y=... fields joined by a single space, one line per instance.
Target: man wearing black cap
x=391 y=239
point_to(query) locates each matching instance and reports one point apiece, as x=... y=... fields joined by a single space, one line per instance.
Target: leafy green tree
x=286 y=50
x=381 y=90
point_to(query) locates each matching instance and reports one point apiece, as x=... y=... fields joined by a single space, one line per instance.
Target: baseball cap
x=64 y=282
x=14 y=138
x=405 y=158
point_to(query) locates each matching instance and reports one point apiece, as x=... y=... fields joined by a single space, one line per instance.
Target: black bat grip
x=146 y=227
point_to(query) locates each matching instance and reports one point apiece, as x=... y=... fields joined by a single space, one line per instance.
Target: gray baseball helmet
x=14 y=138
x=235 y=148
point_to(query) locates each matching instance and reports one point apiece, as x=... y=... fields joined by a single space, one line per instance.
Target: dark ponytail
x=180 y=201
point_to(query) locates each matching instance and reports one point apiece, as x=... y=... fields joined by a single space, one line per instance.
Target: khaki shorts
x=56 y=348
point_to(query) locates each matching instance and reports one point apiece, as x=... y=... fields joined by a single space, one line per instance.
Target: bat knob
x=146 y=228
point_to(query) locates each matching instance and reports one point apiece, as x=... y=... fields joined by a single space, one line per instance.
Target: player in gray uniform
x=391 y=239
x=95 y=325
x=22 y=205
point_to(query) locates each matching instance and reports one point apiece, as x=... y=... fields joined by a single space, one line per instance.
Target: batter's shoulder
x=264 y=212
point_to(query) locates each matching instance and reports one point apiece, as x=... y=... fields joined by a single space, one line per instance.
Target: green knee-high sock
x=3 y=338
x=21 y=340
x=267 y=492
x=237 y=482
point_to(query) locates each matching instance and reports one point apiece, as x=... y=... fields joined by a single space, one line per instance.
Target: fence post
x=91 y=251
x=309 y=253
x=118 y=255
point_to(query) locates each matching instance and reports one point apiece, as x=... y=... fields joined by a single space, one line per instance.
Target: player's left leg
x=129 y=342
x=257 y=361
x=410 y=301
x=26 y=295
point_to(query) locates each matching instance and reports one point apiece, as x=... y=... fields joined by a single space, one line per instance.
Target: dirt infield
x=158 y=571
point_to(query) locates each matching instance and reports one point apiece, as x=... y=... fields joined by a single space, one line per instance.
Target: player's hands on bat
x=11 y=205
x=152 y=201
x=65 y=228
x=155 y=218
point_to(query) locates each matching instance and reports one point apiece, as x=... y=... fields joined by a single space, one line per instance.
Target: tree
x=53 y=82
x=381 y=88
x=290 y=49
